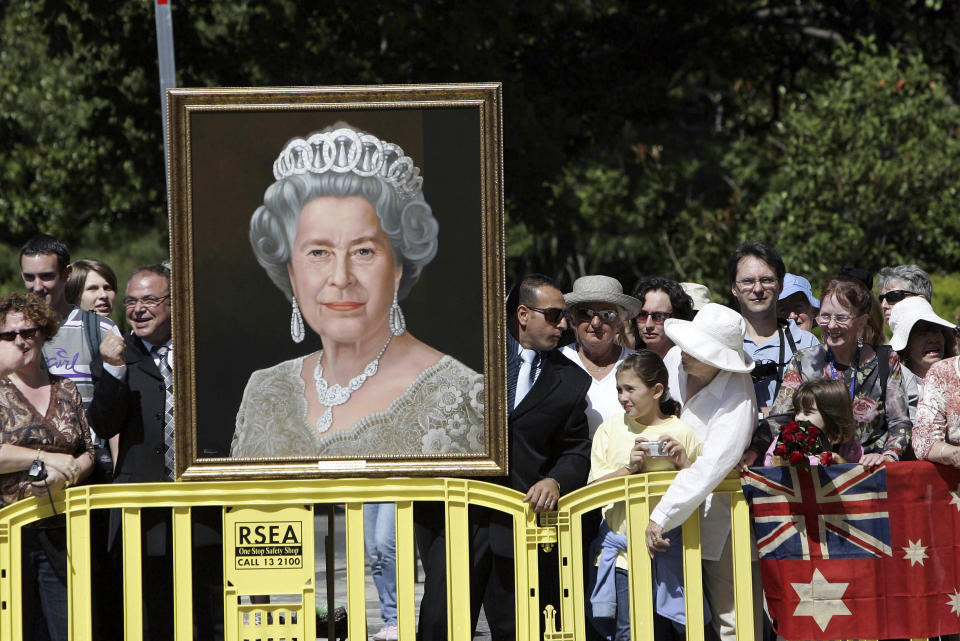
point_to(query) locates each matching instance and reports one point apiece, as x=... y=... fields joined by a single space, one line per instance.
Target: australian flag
x=851 y=553
x=834 y=512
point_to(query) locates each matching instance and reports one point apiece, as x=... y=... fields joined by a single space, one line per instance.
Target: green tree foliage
x=946 y=295
x=639 y=136
x=865 y=167
x=79 y=120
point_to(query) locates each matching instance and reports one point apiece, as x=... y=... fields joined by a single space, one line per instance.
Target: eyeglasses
x=552 y=315
x=746 y=284
x=840 y=319
x=658 y=317
x=586 y=315
x=147 y=301
x=27 y=334
x=896 y=295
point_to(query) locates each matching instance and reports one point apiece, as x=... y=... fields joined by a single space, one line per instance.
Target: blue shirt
x=769 y=353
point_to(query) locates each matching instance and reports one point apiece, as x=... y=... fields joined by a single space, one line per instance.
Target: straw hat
x=602 y=289
x=699 y=294
x=908 y=313
x=714 y=336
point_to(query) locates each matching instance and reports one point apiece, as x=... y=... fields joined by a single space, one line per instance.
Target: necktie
x=167 y=374
x=513 y=369
x=527 y=374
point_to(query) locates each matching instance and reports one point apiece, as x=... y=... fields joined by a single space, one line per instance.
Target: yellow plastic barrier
x=287 y=507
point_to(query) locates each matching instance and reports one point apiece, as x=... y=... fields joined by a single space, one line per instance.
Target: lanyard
x=836 y=375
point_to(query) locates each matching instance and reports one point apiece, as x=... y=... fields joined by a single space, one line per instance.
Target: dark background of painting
x=242 y=321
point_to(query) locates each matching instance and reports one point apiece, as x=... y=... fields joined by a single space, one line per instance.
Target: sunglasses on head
x=896 y=295
x=585 y=315
x=658 y=317
x=27 y=334
x=552 y=315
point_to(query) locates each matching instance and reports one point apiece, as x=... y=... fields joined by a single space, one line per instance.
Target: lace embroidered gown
x=441 y=412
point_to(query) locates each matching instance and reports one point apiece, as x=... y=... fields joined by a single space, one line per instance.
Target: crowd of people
x=674 y=381
x=81 y=402
x=663 y=379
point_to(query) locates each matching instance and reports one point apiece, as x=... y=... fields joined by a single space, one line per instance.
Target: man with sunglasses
x=549 y=456
x=899 y=282
x=87 y=349
x=756 y=274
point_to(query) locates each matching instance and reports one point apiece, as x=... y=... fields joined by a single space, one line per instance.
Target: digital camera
x=764 y=370
x=37 y=471
x=654 y=448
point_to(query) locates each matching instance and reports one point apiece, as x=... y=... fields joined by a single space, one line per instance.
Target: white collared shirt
x=602 y=399
x=156 y=359
x=515 y=350
x=723 y=414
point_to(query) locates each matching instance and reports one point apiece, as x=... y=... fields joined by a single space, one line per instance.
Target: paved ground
x=374 y=622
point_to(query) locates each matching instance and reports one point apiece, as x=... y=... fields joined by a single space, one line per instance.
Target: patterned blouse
x=440 y=413
x=880 y=429
x=63 y=428
x=938 y=416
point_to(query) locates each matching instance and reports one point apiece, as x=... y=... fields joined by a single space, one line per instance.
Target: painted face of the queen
x=343 y=270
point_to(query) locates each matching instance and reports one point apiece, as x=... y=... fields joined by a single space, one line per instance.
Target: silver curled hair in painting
x=341 y=161
x=351 y=292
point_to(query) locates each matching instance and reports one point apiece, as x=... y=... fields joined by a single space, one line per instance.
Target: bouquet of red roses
x=799 y=441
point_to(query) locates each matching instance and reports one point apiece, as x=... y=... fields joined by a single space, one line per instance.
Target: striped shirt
x=68 y=354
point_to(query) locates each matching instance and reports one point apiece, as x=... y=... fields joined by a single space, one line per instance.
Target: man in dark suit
x=549 y=455
x=146 y=455
x=143 y=455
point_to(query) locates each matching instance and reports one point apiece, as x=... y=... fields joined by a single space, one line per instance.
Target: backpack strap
x=783 y=328
x=785 y=324
x=92 y=330
x=883 y=364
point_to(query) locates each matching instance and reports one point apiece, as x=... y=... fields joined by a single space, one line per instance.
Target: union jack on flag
x=831 y=512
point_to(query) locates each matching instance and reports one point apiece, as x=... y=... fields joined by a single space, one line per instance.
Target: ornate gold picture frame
x=231 y=319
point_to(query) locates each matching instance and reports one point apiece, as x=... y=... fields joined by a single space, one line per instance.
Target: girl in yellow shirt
x=647 y=437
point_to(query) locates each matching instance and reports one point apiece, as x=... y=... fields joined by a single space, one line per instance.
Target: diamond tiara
x=345 y=150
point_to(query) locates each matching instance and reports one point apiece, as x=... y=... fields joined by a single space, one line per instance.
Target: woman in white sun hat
x=721 y=406
x=920 y=338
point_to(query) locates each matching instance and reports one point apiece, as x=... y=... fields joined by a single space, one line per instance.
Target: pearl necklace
x=337 y=394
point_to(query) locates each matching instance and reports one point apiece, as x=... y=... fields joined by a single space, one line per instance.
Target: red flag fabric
x=850 y=553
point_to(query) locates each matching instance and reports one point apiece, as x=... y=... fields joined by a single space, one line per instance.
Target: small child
x=622 y=445
x=825 y=403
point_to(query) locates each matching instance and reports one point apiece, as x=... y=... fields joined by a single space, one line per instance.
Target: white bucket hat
x=714 y=336
x=908 y=313
x=602 y=289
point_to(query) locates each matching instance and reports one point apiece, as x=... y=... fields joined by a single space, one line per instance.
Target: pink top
x=938 y=414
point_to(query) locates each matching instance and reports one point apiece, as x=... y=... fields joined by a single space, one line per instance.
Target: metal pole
x=168 y=73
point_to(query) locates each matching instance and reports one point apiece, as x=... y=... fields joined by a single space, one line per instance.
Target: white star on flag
x=915 y=552
x=956 y=498
x=820 y=599
x=954 y=602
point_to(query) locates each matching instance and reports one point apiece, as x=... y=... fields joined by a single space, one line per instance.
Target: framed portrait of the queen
x=337 y=281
